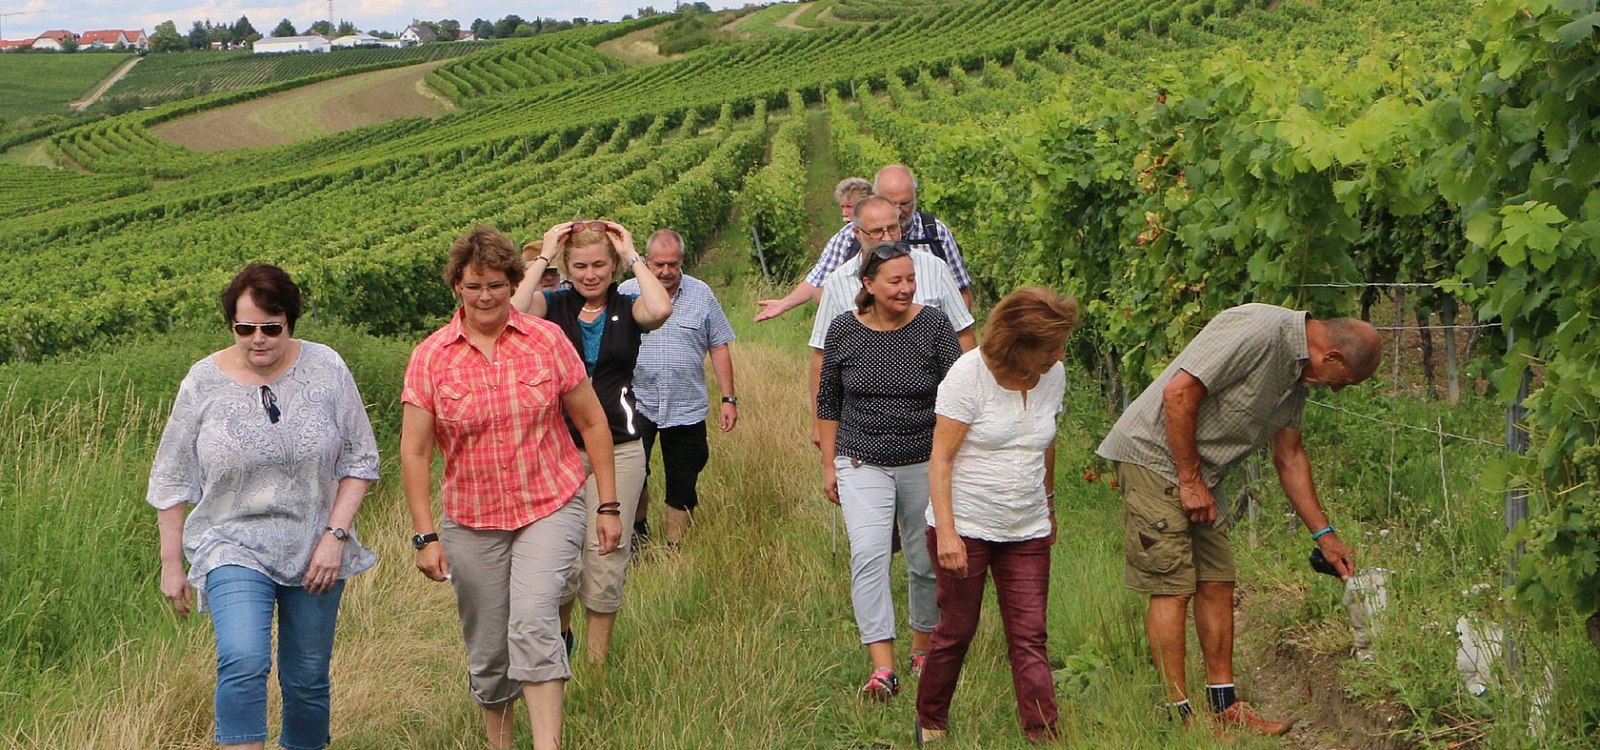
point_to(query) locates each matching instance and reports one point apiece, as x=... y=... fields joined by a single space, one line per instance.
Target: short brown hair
x=1028 y=321
x=270 y=288
x=484 y=248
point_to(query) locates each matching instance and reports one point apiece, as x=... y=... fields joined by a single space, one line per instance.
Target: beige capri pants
x=597 y=579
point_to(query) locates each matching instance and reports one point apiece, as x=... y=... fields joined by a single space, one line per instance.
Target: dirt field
x=637 y=48
x=318 y=109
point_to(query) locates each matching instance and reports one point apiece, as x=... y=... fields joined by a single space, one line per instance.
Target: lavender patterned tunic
x=262 y=491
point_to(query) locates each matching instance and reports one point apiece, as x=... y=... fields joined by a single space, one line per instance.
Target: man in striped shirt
x=669 y=381
x=898 y=185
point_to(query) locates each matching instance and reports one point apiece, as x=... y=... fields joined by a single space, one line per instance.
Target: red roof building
x=102 y=38
x=9 y=45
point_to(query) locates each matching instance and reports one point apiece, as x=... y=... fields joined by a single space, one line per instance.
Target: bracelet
x=609 y=505
x=547 y=261
x=1325 y=530
x=1049 y=495
x=608 y=512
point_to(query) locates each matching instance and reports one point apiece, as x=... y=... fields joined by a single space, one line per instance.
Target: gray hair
x=661 y=234
x=851 y=187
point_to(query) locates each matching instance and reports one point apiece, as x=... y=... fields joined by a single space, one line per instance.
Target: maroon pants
x=1021 y=581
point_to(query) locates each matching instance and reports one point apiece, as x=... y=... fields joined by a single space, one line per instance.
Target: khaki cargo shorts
x=1163 y=553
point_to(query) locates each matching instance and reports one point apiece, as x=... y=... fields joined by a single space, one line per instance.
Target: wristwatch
x=340 y=534
x=422 y=540
x=730 y=400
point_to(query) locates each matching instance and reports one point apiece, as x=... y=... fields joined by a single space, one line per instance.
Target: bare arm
x=815 y=379
x=654 y=305
x=527 y=297
x=328 y=556
x=948 y=434
x=1050 y=486
x=1180 y=406
x=583 y=406
x=966 y=297
x=802 y=293
x=968 y=339
x=722 y=367
x=174 y=580
x=1294 y=474
x=416 y=481
x=827 y=438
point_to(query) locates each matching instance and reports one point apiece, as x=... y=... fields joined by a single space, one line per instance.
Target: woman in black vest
x=604 y=327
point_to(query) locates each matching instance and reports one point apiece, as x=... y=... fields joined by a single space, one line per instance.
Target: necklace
x=589 y=309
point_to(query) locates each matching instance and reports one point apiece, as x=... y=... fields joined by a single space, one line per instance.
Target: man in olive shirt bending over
x=1240 y=384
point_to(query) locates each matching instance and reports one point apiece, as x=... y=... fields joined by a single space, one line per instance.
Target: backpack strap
x=930 y=240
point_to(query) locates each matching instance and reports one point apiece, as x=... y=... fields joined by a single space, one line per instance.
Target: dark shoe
x=641 y=533
x=1241 y=716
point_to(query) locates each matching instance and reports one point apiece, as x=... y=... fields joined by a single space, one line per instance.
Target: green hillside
x=44 y=84
x=1161 y=161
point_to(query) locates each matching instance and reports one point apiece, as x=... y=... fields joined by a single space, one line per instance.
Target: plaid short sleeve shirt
x=1250 y=359
x=508 y=459
x=669 y=381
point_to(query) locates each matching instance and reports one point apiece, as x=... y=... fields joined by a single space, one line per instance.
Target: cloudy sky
x=385 y=15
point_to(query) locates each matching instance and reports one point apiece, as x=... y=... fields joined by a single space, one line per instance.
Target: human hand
x=952 y=552
x=326 y=560
x=1052 y=539
x=175 y=587
x=1338 y=554
x=730 y=417
x=608 y=529
x=830 y=482
x=771 y=308
x=816 y=435
x=552 y=241
x=1198 y=504
x=623 y=239
x=432 y=562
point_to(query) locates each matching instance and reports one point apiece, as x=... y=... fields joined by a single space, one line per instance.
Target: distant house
x=416 y=34
x=102 y=39
x=279 y=44
x=466 y=36
x=54 y=40
x=15 y=45
x=350 y=41
x=136 y=38
x=392 y=43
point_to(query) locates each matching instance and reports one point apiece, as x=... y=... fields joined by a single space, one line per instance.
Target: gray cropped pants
x=872 y=497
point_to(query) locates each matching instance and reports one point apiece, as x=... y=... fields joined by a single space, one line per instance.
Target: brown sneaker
x=1222 y=736
x=1241 y=716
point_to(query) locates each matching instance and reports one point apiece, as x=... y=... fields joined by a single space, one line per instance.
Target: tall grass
x=744 y=638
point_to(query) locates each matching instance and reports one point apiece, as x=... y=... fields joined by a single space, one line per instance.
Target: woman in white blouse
x=990 y=510
x=270 y=445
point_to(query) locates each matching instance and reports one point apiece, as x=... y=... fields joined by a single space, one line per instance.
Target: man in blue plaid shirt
x=669 y=381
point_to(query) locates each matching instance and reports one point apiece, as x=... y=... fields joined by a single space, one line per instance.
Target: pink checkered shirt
x=508 y=459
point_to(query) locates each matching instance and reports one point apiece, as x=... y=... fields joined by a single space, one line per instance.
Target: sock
x=1221 y=697
x=1184 y=710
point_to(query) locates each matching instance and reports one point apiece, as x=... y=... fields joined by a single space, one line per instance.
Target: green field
x=44 y=84
x=1160 y=161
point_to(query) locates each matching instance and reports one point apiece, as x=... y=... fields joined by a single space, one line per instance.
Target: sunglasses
x=245 y=330
x=596 y=226
x=269 y=401
x=888 y=250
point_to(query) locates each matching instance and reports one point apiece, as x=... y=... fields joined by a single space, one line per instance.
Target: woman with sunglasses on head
x=991 y=510
x=881 y=367
x=604 y=326
x=269 y=443
x=490 y=389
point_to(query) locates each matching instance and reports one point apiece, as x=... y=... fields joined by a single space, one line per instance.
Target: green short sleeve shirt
x=1250 y=359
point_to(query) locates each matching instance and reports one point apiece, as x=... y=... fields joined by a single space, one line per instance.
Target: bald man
x=1240 y=384
x=898 y=185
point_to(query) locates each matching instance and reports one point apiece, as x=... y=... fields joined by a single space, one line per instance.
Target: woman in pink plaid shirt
x=489 y=389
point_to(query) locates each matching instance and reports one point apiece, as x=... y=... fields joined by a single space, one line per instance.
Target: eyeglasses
x=245 y=330
x=270 y=403
x=474 y=289
x=891 y=232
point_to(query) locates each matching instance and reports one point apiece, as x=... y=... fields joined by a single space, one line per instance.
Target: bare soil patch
x=789 y=21
x=307 y=112
x=637 y=48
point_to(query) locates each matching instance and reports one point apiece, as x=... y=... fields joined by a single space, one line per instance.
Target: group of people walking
x=545 y=399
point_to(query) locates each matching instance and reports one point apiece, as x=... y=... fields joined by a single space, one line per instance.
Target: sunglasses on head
x=272 y=330
x=596 y=226
x=888 y=250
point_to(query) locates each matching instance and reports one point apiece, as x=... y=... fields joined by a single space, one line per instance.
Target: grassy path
x=110 y=81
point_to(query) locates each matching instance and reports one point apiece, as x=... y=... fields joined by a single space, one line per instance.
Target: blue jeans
x=241 y=601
